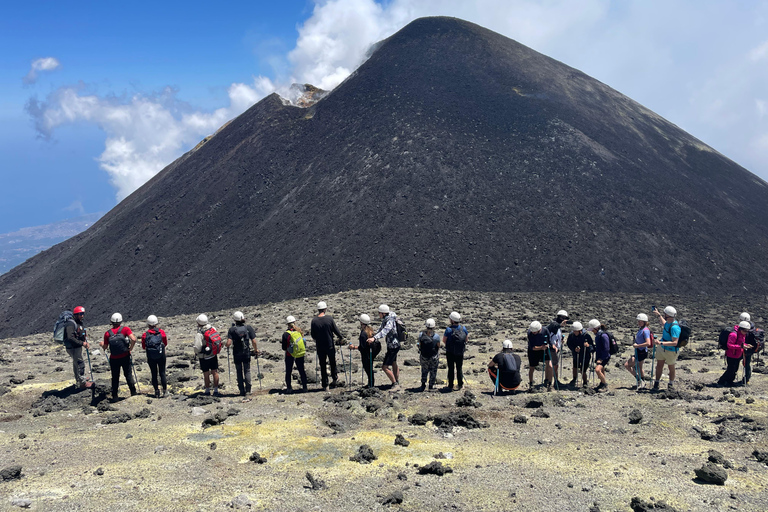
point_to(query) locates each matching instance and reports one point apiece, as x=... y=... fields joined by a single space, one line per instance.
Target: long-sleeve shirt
x=388 y=326
x=73 y=338
x=602 y=345
x=323 y=329
x=578 y=341
x=736 y=342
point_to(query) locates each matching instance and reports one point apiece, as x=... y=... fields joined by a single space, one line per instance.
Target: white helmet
x=321 y=306
x=669 y=310
x=151 y=320
x=202 y=320
x=745 y=325
x=384 y=309
x=507 y=344
x=642 y=317
x=289 y=319
x=117 y=318
x=745 y=316
x=455 y=316
x=535 y=326
x=562 y=313
x=594 y=324
x=577 y=326
x=430 y=323
x=238 y=316
x=365 y=319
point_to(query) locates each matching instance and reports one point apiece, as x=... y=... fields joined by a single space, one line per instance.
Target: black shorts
x=390 y=357
x=604 y=362
x=210 y=365
x=642 y=355
x=535 y=357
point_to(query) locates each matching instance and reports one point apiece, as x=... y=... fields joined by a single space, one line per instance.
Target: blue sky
x=96 y=97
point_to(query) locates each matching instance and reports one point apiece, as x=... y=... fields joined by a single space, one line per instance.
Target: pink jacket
x=735 y=343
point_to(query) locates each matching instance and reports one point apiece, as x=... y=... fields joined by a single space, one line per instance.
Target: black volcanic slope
x=453 y=158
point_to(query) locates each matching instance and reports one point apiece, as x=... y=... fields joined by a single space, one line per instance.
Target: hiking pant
x=429 y=368
x=299 y=362
x=748 y=364
x=366 y=359
x=456 y=360
x=243 y=370
x=78 y=365
x=730 y=372
x=115 y=365
x=157 y=366
x=325 y=358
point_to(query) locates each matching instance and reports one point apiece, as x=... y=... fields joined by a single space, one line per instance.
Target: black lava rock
x=457 y=419
x=10 y=473
x=393 y=499
x=419 y=419
x=635 y=416
x=364 y=455
x=638 y=505
x=761 y=456
x=711 y=474
x=520 y=418
x=716 y=457
x=401 y=441
x=258 y=459
x=435 y=468
x=314 y=483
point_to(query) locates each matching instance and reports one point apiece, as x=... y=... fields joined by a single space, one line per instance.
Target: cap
x=455 y=316
x=669 y=310
x=594 y=324
x=562 y=313
x=745 y=316
x=116 y=318
x=745 y=325
x=642 y=317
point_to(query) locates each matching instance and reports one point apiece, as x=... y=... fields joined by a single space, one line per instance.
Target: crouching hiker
x=74 y=341
x=602 y=351
x=207 y=346
x=428 y=345
x=668 y=343
x=580 y=344
x=538 y=341
x=368 y=350
x=455 y=341
x=295 y=350
x=641 y=345
x=737 y=342
x=241 y=338
x=120 y=342
x=504 y=368
x=154 y=341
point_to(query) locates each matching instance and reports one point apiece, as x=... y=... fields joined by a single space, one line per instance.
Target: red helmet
x=78 y=310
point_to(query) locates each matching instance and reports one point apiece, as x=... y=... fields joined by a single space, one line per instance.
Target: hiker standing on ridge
x=295 y=350
x=120 y=342
x=368 y=349
x=74 y=341
x=737 y=343
x=428 y=344
x=602 y=351
x=207 y=347
x=388 y=331
x=641 y=345
x=509 y=365
x=538 y=340
x=323 y=329
x=556 y=345
x=668 y=344
x=580 y=343
x=241 y=337
x=455 y=341
x=154 y=341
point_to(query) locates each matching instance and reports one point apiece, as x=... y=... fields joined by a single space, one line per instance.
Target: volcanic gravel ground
x=574 y=451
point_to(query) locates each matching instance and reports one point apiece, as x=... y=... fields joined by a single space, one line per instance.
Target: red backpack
x=212 y=341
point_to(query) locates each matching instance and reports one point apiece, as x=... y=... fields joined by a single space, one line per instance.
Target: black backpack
x=457 y=343
x=613 y=345
x=118 y=343
x=427 y=345
x=58 y=328
x=402 y=333
x=242 y=333
x=154 y=342
x=685 y=333
x=722 y=339
x=757 y=338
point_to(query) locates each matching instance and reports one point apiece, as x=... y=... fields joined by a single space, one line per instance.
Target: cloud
x=75 y=206
x=44 y=64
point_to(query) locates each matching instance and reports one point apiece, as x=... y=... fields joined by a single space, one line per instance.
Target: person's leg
x=163 y=379
x=302 y=373
x=366 y=361
x=600 y=373
x=114 y=368
x=396 y=371
x=207 y=380
x=659 y=368
x=424 y=370
x=451 y=359
x=433 y=371
x=247 y=372
x=459 y=373
x=323 y=357
x=240 y=375
x=128 y=372
x=78 y=365
x=153 y=370
x=332 y=361
x=575 y=369
x=730 y=371
x=630 y=365
x=288 y=371
x=215 y=374
x=671 y=368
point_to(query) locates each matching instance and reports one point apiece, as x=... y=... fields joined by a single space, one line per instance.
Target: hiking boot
x=216 y=393
x=325 y=388
x=395 y=388
x=572 y=383
x=641 y=385
x=671 y=386
x=461 y=386
x=134 y=392
x=656 y=386
x=157 y=393
x=208 y=391
x=335 y=383
x=304 y=388
x=431 y=387
x=165 y=393
x=549 y=385
x=423 y=386
x=601 y=386
x=86 y=384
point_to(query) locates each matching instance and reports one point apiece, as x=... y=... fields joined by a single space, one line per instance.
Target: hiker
x=641 y=345
x=555 y=346
x=207 y=347
x=508 y=365
x=323 y=329
x=388 y=331
x=755 y=339
x=74 y=341
x=538 y=340
x=368 y=350
x=737 y=342
x=120 y=342
x=428 y=345
x=668 y=344
x=602 y=351
x=295 y=350
x=455 y=342
x=242 y=338
x=154 y=341
x=580 y=343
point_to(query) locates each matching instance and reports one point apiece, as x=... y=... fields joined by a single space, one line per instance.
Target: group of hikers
x=591 y=350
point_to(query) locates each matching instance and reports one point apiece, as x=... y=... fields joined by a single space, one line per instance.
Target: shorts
x=642 y=355
x=535 y=357
x=604 y=362
x=555 y=356
x=668 y=356
x=390 y=357
x=210 y=365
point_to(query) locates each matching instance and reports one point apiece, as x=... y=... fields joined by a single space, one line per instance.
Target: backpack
x=722 y=339
x=296 y=346
x=154 y=343
x=118 y=342
x=613 y=345
x=242 y=333
x=685 y=333
x=758 y=339
x=58 y=328
x=427 y=345
x=212 y=342
x=457 y=343
x=402 y=333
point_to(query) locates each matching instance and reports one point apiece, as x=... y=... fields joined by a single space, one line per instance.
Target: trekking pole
x=583 y=365
x=637 y=370
x=653 y=364
x=317 y=378
x=496 y=387
x=549 y=353
x=258 y=370
x=343 y=364
x=744 y=367
x=370 y=377
x=88 y=352
x=136 y=377
x=229 y=369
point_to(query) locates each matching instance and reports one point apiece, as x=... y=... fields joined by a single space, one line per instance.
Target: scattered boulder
x=635 y=416
x=144 y=413
x=540 y=413
x=21 y=503
x=258 y=459
x=10 y=473
x=393 y=499
x=715 y=457
x=638 y=505
x=457 y=419
x=364 y=455
x=419 y=419
x=240 y=502
x=711 y=474
x=411 y=362
x=520 y=418
x=99 y=472
x=217 y=419
x=401 y=441
x=435 y=468
x=468 y=400
x=534 y=403
x=121 y=417
x=315 y=483
x=761 y=456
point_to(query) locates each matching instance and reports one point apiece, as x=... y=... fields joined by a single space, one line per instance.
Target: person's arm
x=104 y=344
x=674 y=333
x=165 y=337
x=131 y=337
x=254 y=343
x=198 y=345
x=336 y=331
x=384 y=331
x=229 y=339
x=144 y=341
x=733 y=342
